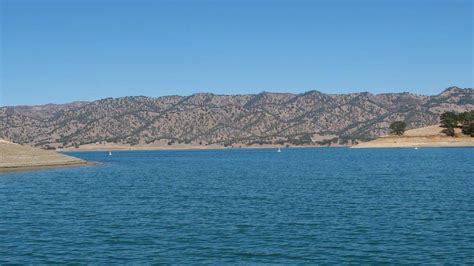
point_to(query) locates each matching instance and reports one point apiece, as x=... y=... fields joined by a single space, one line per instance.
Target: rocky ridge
x=311 y=118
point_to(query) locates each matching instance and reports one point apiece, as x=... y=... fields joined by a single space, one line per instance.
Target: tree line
x=450 y=120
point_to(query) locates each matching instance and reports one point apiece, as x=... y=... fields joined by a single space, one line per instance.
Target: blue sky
x=70 y=50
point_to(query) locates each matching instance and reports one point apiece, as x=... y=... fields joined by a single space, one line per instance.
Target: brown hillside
x=203 y=119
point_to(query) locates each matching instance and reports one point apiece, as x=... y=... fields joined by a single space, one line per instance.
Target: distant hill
x=203 y=119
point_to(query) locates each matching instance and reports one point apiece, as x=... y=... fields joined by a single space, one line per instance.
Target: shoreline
x=26 y=168
x=267 y=148
x=16 y=157
x=413 y=146
x=163 y=148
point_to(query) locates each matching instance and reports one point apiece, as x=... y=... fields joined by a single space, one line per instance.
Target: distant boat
x=416 y=148
x=110 y=153
x=279 y=150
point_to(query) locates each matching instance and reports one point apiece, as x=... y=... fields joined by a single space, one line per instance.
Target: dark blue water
x=327 y=205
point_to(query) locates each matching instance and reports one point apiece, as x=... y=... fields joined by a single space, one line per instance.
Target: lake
x=306 y=205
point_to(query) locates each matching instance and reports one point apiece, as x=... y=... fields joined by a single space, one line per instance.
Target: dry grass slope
x=431 y=136
x=17 y=157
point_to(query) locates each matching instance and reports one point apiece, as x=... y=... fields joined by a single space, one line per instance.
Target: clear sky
x=69 y=50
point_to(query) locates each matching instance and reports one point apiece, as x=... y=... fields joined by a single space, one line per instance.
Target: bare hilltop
x=208 y=120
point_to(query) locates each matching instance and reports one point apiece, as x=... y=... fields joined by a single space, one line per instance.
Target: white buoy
x=110 y=153
x=416 y=148
x=279 y=150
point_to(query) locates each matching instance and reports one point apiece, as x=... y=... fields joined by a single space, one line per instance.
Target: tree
x=468 y=129
x=463 y=118
x=449 y=121
x=398 y=128
x=467 y=122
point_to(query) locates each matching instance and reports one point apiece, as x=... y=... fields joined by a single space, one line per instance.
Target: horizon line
x=237 y=94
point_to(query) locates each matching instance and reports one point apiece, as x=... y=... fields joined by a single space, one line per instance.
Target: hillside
x=431 y=136
x=18 y=157
x=311 y=118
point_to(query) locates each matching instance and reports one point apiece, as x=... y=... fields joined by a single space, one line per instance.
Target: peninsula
x=15 y=157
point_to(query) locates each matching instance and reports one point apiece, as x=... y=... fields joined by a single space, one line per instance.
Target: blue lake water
x=322 y=205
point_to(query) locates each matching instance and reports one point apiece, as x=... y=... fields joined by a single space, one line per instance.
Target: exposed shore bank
x=431 y=136
x=118 y=147
x=15 y=157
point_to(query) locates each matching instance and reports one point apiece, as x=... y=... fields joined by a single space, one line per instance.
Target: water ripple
x=335 y=206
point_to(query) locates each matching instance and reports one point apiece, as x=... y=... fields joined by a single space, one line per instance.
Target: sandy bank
x=431 y=136
x=15 y=157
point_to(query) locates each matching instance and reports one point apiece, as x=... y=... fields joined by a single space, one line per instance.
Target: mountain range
x=310 y=118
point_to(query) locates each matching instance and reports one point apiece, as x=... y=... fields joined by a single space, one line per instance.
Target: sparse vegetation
x=265 y=118
x=303 y=139
x=327 y=142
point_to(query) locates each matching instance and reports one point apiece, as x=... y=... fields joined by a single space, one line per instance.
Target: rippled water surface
x=332 y=205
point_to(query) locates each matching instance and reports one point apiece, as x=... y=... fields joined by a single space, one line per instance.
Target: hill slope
x=431 y=136
x=206 y=119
